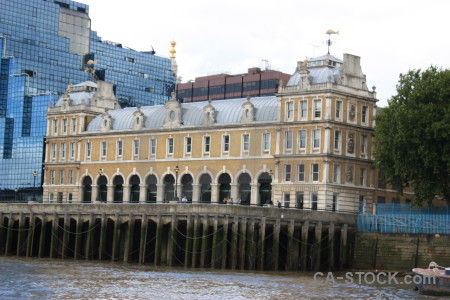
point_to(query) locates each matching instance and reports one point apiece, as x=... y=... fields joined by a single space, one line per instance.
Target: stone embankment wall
x=399 y=252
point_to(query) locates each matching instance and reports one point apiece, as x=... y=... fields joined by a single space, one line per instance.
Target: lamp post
x=176 y=182
x=34 y=185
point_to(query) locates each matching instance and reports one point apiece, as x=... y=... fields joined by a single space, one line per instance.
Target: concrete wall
x=400 y=252
x=272 y=212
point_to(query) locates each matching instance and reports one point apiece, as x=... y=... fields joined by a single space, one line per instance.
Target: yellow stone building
x=308 y=147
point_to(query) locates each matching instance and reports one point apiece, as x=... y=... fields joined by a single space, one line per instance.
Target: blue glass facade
x=44 y=46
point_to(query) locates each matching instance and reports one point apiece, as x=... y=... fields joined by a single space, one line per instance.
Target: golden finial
x=173 y=51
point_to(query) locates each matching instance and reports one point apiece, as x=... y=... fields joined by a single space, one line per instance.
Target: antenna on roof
x=330 y=32
x=266 y=64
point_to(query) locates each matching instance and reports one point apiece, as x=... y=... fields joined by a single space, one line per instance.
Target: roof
x=320 y=72
x=228 y=111
x=79 y=92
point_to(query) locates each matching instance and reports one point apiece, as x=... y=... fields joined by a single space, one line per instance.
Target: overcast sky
x=391 y=37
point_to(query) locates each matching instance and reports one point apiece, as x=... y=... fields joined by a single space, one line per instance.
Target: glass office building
x=44 y=46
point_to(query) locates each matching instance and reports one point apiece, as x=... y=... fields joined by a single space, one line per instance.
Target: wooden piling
x=103 y=231
x=78 y=236
x=214 y=241
x=343 y=247
x=21 y=236
x=262 y=237
x=195 y=242
x=65 y=241
x=234 y=242
x=276 y=245
x=116 y=238
x=331 y=247
x=205 y=239
x=158 y=243
x=30 y=237
x=42 y=236
x=304 y=246
x=251 y=250
x=9 y=235
x=54 y=237
x=129 y=238
x=189 y=242
x=291 y=253
x=143 y=239
x=224 y=242
x=317 y=246
x=171 y=242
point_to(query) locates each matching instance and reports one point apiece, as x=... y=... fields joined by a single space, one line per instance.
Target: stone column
x=126 y=193
x=142 y=193
x=160 y=192
x=110 y=193
x=254 y=194
x=327 y=139
x=179 y=190
x=80 y=194
x=328 y=108
x=215 y=193
x=234 y=192
x=195 y=192
x=94 y=193
x=278 y=141
x=326 y=171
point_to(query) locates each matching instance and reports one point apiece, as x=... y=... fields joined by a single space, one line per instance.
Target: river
x=33 y=278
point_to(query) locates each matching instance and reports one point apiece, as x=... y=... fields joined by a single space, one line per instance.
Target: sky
x=216 y=36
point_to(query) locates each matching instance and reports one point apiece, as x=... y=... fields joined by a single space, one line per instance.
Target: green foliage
x=413 y=135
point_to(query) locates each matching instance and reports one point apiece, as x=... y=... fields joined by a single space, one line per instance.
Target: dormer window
x=138 y=118
x=106 y=122
x=248 y=113
x=209 y=114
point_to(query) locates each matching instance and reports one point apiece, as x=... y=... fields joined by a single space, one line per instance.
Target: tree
x=412 y=135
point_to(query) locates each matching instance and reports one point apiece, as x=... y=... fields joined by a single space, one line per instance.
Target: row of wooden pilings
x=184 y=235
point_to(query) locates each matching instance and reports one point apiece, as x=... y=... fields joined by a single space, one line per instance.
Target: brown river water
x=32 y=278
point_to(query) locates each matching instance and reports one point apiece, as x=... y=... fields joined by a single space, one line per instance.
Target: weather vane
x=330 y=32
